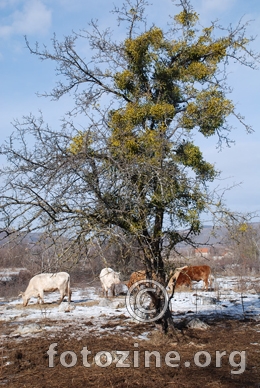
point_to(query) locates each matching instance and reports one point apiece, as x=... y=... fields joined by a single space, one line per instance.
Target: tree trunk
x=165 y=321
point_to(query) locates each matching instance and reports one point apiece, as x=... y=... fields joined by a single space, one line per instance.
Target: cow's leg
x=113 y=290
x=68 y=292
x=104 y=291
x=40 y=298
x=206 y=284
x=69 y=296
x=62 y=294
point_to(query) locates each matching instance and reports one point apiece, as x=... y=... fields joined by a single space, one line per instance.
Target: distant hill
x=211 y=236
x=208 y=236
x=29 y=238
x=216 y=237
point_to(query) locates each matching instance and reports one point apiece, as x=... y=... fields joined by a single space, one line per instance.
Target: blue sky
x=22 y=75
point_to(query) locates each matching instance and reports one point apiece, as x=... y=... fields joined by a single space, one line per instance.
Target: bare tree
x=244 y=241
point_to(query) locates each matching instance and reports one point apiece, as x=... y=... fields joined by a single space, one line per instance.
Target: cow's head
x=172 y=281
x=117 y=278
x=25 y=298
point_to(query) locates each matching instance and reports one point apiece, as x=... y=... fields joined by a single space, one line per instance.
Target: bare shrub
x=11 y=288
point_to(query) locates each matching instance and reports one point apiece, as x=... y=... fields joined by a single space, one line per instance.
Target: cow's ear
x=20 y=293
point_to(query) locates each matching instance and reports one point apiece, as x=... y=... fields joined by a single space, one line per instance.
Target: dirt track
x=25 y=361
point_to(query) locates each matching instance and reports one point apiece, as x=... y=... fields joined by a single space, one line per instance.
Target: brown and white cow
x=47 y=282
x=185 y=276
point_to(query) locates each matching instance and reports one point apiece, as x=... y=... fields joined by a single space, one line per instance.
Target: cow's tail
x=69 y=290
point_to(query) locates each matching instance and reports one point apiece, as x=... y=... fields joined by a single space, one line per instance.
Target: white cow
x=47 y=282
x=109 y=278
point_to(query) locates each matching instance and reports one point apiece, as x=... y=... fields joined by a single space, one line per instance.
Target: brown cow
x=187 y=274
x=137 y=276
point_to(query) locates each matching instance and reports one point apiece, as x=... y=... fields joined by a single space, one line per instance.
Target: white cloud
x=34 y=17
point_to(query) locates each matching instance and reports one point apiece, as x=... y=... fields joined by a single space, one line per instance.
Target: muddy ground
x=25 y=362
